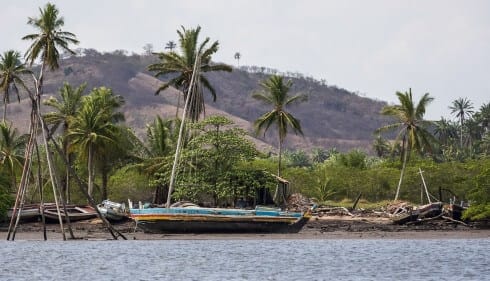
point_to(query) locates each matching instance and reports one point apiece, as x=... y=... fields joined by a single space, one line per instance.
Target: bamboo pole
x=181 y=130
x=425 y=186
x=84 y=189
x=25 y=170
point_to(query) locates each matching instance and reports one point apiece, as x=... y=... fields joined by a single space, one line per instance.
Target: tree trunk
x=279 y=187
x=89 y=170
x=461 y=134
x=105 y=179
x=402 y=171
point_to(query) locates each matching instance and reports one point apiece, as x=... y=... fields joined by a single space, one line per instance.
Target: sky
x=374 y=48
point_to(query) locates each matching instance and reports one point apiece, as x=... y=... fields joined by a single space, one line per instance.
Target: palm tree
x=66 y=109
x=183 y=66
x=11 y=151
x=237 y=57
x=93 y=128
x=170 y=45
x=319 y=155
x=410 y=125
x=11 y=71
x=275 y=93
x=462 y=107
x=445 y=130
x=380 y=146
x=45 y=45
x=49 y=39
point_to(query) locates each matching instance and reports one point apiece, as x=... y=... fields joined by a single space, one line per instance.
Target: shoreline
x=326 y=227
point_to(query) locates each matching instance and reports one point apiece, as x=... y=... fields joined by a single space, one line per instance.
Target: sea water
x=249 y=259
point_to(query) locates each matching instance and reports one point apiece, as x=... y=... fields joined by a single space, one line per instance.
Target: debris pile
x=299 y=203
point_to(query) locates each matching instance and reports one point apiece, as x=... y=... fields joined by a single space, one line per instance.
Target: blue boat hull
x=209 y=220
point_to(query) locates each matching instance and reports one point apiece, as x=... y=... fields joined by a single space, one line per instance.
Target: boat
x=75 y=213
x=430 y=210
x=194 y=219
x=455 y=211
x=404 y=217
x=113 y=211
x=30 y=212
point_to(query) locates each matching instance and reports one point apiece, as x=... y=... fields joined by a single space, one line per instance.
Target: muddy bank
x=325 y=227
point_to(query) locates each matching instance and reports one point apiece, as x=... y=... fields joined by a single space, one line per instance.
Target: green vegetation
x=219 y=164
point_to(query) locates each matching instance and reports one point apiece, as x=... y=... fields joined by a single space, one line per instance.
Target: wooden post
x=357 y=201
x=84 y=189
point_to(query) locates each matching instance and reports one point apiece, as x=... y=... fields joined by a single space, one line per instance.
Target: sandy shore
x=331 y=227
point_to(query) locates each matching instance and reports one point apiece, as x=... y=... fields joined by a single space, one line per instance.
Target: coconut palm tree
x=445 y=130
x=93 y=128
x=410 y=126
x=462 y=108
x=11 y=72
x=11 y=151
x=237 y=57
x=182 y=65
x=275 y=94
x=50 y=38
x=380 y=146
x=45 y=46
x=66 y=108
x=170 y=45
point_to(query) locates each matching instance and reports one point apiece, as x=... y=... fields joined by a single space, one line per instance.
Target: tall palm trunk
x=90 y=170
x=461 y=133
x=6 y=93
x=404 y=164
x=278 y=187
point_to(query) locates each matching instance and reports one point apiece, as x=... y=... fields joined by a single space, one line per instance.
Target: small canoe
x=30 y=212
x=75 y=213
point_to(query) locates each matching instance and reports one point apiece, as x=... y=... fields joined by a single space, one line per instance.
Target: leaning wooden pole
x=181 y=130
x=25 y=170
x=41 y=195
x=84 y=189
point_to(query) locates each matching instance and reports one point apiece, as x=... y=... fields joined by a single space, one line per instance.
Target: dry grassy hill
x=332 y=117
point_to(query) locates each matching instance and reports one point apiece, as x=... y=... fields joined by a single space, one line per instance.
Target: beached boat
x=430 y=210
x=455 y=211
x=113 y=211
x=194 y=219
x=30 y=212
x=75 y=213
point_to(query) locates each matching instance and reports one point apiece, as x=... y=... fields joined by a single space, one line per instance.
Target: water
x=450 y=259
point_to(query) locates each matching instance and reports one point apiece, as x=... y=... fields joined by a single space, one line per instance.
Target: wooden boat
x=403 y=218
x=30 y=212
x=195 y=219
x=113 y=211
x=75 y=213
x=430 y=210
x=455 y=211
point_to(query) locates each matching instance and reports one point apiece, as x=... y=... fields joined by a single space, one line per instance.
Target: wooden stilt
x=84 y=189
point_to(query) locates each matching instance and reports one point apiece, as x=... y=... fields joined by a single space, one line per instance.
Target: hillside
x=332 y=117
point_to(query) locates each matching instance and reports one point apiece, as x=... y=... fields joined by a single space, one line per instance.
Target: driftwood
x=424 y=220
x=333 y=211
x=455 y=221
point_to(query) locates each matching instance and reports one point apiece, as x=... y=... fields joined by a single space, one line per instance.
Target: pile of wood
x=299 y=203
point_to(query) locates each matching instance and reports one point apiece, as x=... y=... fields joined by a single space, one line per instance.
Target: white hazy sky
x=373 y=47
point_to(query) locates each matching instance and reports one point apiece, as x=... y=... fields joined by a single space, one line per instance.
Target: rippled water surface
x=456 y=259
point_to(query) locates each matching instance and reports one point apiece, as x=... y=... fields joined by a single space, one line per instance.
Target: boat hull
x=74 y=213
x=161 y=220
